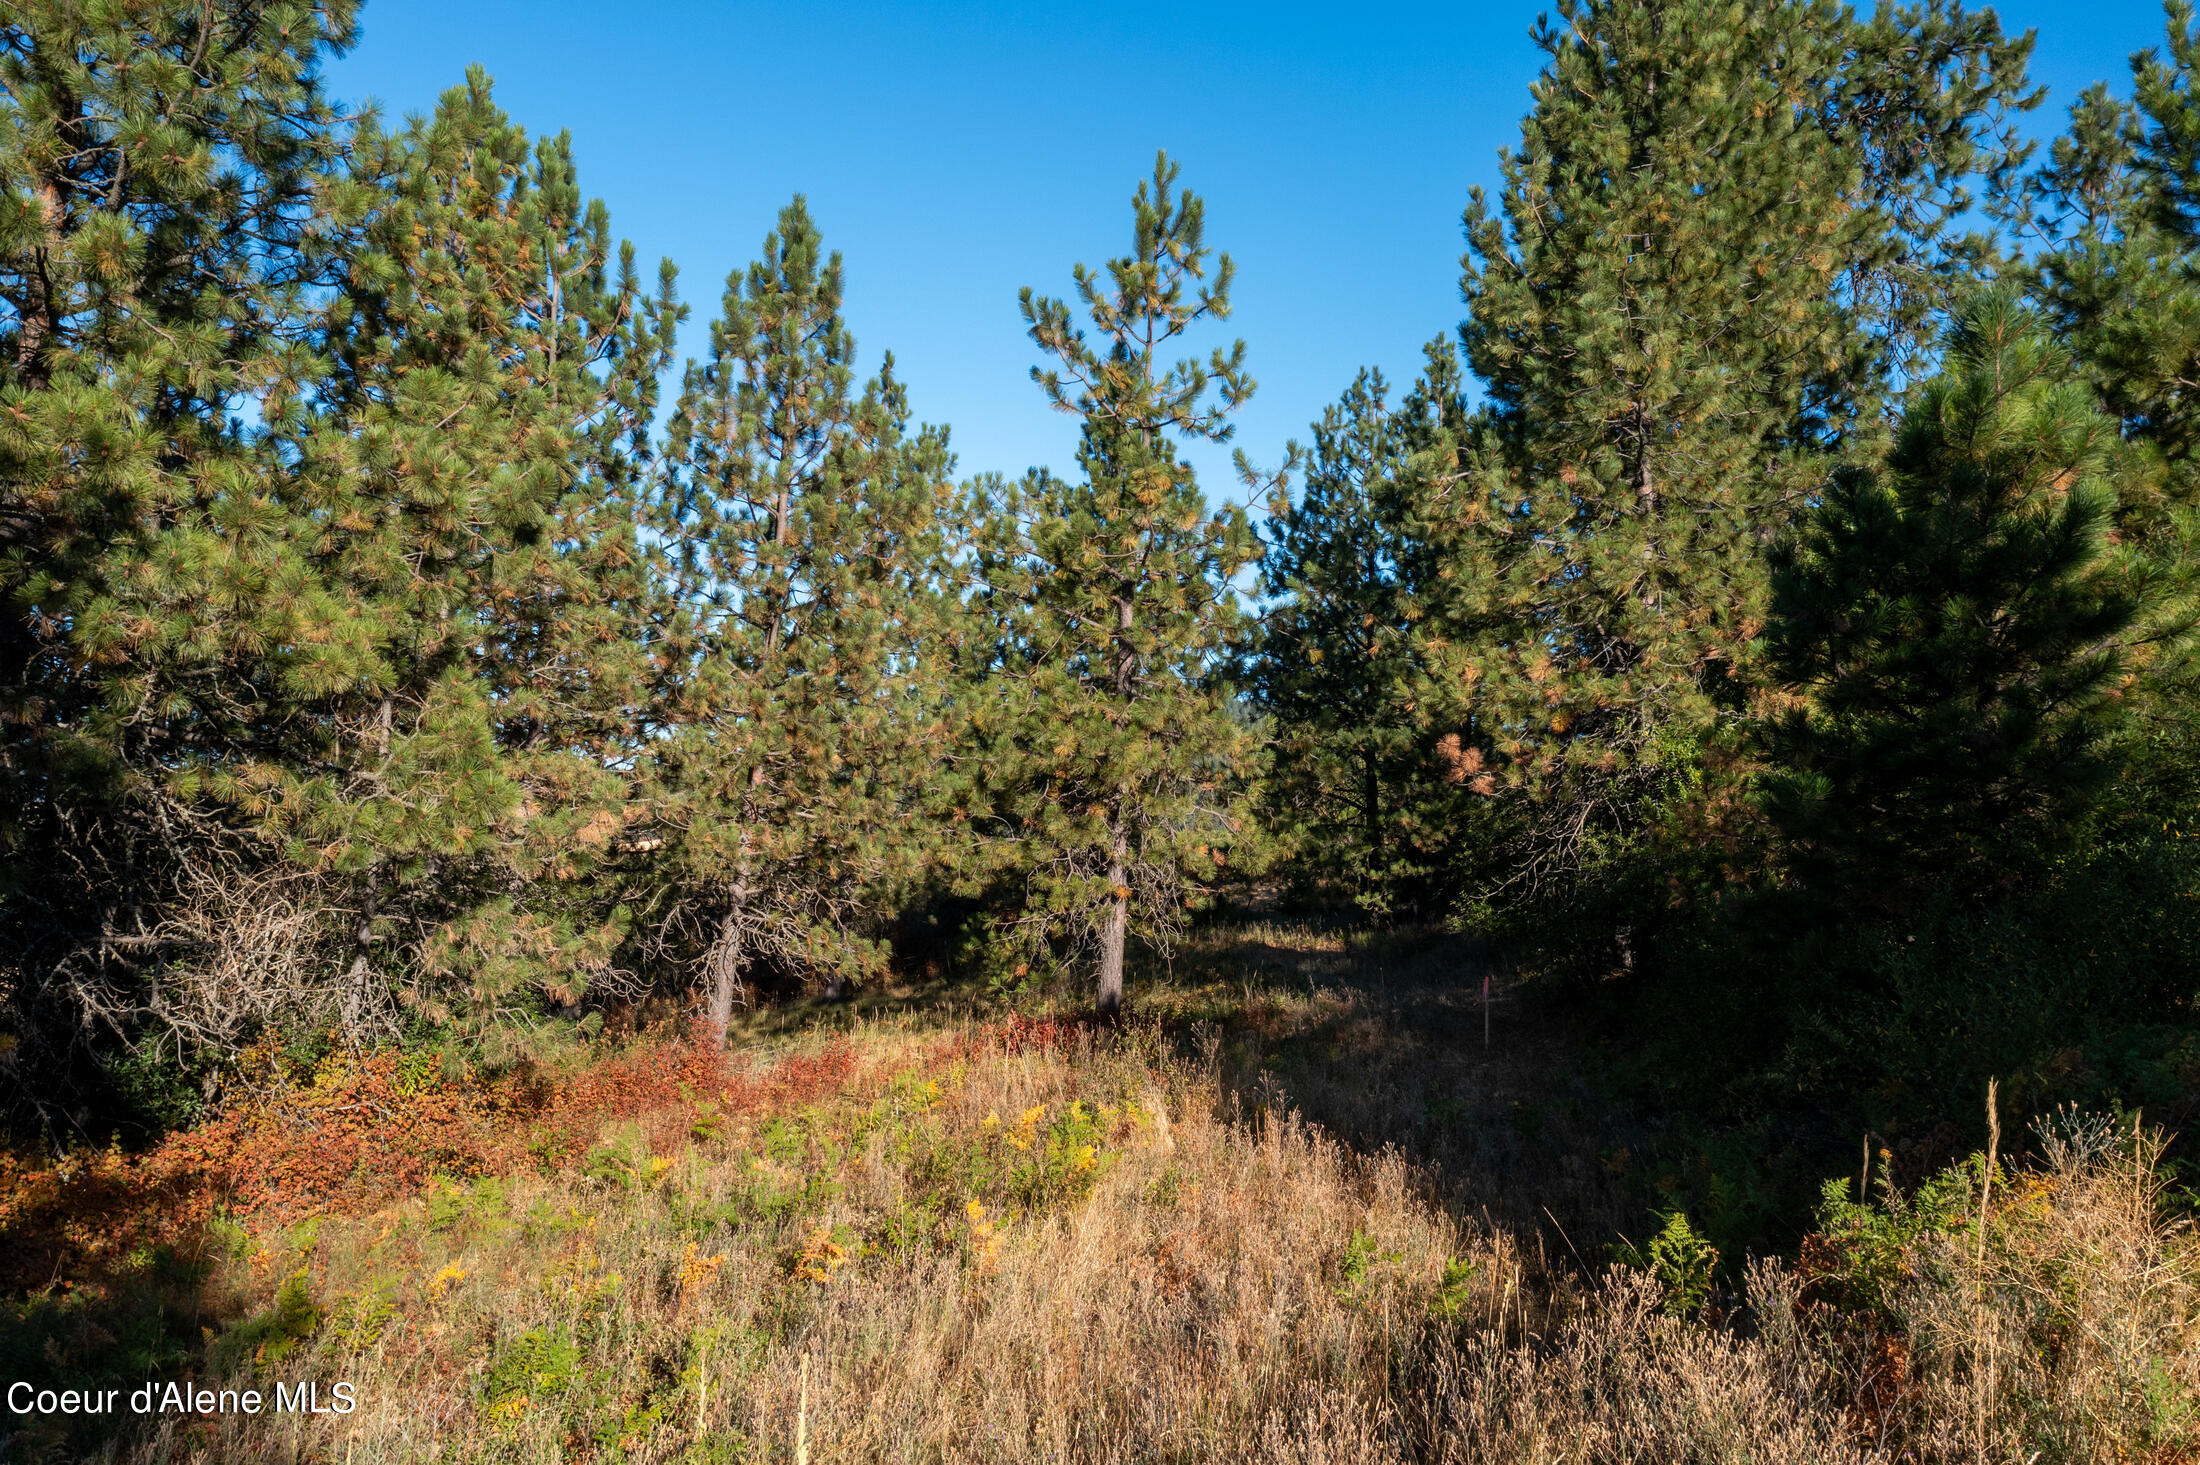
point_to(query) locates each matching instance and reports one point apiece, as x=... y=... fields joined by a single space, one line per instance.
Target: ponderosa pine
x=1717 y=236
x=1365 y=799
x=1113 y=746
x=1962 y=630
x=800 y=525
x=455 y=738
x=2110 y=229
x=172 y=190
x=349 y=644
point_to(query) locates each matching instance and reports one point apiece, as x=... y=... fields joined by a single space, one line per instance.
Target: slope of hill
x=917 y=1234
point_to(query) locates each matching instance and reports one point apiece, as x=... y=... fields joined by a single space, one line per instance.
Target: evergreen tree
x=1961 y=631
x=361 y=672
x=1338 y=671
x=1111 y=743
x=172 y=188
x=1712 y=248
x=2113 y=261
x=451 y=725
x=2114 y=239
x=802 y=523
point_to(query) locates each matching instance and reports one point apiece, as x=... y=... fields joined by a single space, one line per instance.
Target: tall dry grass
x=1208 y=1285
x=1196 y=1282
x=2053 y=1313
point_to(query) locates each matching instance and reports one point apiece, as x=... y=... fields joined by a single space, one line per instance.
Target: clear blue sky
x=955 y=152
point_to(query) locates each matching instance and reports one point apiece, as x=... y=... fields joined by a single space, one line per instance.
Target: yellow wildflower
x=821 y=1257
x=984 y=1235
x=697 y=1270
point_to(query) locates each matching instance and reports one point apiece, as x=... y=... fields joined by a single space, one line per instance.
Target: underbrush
x=1031 y=1240
x=2083 y=987
x=354 y=1130
x=1002 y=1243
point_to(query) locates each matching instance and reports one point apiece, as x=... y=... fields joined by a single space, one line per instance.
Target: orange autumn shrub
x=359 y=1130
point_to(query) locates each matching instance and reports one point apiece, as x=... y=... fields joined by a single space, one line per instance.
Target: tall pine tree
x=2110 y=242
x=1112 y=746
x=172 y=190
x=2111 y=230
x=801 y=524
x=451 y=725
x=1368 y=803
x=357 y=665
x=1962 y=631
x=1713 y=246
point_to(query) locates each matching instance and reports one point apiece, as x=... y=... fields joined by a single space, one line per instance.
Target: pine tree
x=1961 y=630
x=451 y=726
x=1112 y=745
x=365 y=672
x=1712 y=248
x=172 y=189
x=802 y=524
x=1352 y=777
x=2113 y=240
x=2114 y=237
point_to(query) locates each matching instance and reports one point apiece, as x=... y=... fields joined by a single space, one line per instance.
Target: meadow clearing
x=1291 y=1210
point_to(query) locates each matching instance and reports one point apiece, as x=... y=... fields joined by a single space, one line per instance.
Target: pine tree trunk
x=362 y=940
x=362 y=957
x=1372 y=812
x=1116 y=931
x=725 y=964
x=41 y=316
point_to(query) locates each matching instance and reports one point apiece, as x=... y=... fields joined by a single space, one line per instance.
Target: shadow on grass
x=94 y=1328
x=1514 y=1114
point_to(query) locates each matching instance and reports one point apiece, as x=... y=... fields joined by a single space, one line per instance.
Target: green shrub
x=1681 y=1260
x=273 y=1335
x=539 y=1364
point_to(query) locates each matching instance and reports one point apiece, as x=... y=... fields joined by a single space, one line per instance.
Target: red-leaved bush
x=362 y=1129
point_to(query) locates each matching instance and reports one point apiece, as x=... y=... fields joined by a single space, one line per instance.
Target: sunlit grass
x=920 y=1236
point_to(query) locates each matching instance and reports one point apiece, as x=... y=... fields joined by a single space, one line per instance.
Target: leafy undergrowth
x=928 y=1240
x=357 y=1130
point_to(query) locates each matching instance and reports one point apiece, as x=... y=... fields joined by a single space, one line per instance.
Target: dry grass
x=2067 y=1325
x=910 y=1261
x=1020 y=1242
x=1385 y=1042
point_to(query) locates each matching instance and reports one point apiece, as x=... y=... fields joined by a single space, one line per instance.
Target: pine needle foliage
x=453 y=740
x=801 y=533
x=1368 y=803
x=1711 y=253
x=2113 y=234
x=339 y=642
x=173 y=190
x=1963 y=630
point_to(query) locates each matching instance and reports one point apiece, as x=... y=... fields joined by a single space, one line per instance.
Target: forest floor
x=1295 y=1208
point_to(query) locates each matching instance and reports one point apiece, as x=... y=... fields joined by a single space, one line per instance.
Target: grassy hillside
x=1295 y=1211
